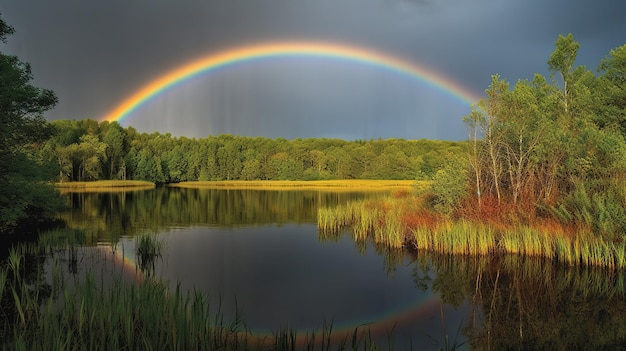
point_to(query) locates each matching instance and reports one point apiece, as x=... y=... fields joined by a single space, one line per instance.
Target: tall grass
x=396 y=222
x=457 y=238
x=364 y=218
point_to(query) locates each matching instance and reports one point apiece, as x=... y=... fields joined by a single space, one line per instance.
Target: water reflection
x=532 y=304
x=109 y=216
x=260 y=252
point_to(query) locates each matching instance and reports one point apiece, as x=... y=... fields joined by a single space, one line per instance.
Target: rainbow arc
x=331 y=51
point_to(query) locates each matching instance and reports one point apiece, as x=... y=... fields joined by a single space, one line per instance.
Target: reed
x=14 y=263
x=565 y=251
x=527 y=241
x=3 y=282
x=457 y=238
x=620 y=255
x=392 y=233
x=147 y=249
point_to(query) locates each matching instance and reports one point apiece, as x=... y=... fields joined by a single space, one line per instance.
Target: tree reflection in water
x=517 y=303
x=530 y=303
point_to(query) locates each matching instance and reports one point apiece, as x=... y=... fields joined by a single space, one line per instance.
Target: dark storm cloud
x=94 y=54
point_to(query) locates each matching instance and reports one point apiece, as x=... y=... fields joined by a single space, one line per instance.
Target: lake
x=259 y=255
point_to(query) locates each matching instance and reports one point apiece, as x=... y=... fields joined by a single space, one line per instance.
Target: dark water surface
x=260 y=253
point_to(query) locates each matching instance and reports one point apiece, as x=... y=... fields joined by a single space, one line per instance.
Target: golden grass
x=394 y=222
x=330 y=185
x=104 y=185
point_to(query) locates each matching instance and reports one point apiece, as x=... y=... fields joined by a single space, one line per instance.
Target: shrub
x=449 y=187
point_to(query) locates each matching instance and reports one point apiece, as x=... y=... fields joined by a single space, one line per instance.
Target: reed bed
x=457 y=238
x=527 y=241
x=364 y=218
x=385 y=222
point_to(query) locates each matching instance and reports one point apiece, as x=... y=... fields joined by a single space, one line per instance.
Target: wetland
x=253 y=269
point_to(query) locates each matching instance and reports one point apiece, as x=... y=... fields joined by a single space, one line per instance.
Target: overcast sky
x=94 y=54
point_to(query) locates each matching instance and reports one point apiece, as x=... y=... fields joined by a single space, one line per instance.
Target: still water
x=259 y=255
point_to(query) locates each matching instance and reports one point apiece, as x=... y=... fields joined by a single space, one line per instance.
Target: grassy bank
x=104 y=185
x=331 y=185
x=403 y=223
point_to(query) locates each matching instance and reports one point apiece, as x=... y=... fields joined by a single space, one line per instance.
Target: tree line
x=83 y=150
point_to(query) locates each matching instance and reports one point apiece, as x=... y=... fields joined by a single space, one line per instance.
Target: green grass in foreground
x=385 y=220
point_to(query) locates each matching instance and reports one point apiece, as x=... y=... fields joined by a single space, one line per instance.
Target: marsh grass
x=365 y=219
x=401 y=223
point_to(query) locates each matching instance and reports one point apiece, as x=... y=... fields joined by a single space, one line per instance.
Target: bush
x=449 y=187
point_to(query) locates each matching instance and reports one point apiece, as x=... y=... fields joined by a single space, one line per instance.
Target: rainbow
x=248 y=53
x=123 y=261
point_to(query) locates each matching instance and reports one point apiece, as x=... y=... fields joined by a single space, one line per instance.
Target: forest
x=83 y=150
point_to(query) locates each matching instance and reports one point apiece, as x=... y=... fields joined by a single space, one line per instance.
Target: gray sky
x=94 y=54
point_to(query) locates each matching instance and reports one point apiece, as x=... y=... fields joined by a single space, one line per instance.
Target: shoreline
x=104 y=185
x=330 y=185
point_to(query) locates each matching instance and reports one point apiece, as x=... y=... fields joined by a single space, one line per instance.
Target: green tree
x=486 y=117
x=22 y=126
x=613 y=88
x=562 y=61
x=449 y=186
x=554 y=147
x=115 y=140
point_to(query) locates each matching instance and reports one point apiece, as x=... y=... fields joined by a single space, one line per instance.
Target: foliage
x=449 y=186
x=88 y=150
x=559 y=146
x=23 y=195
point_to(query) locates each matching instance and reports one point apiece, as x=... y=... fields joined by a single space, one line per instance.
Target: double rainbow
x=243 y=54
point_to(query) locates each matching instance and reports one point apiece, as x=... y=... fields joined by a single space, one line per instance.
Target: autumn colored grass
x=331 y=185
x=404 y=222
